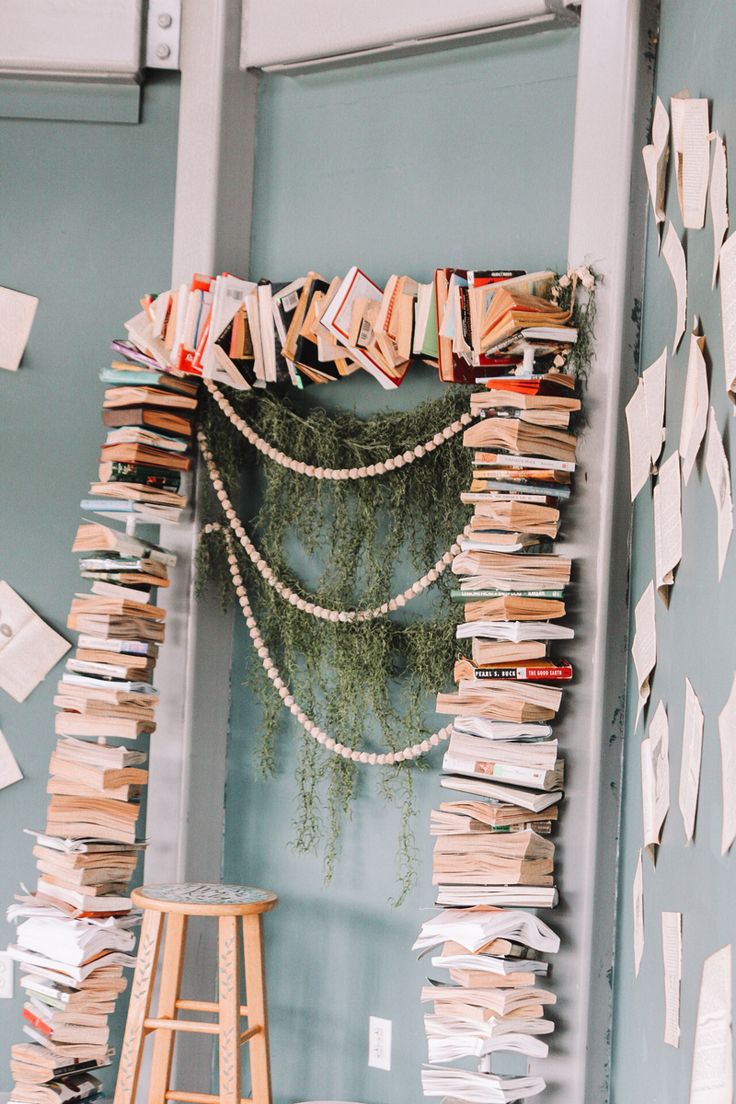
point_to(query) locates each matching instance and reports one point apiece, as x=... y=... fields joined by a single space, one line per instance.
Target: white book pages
x=674 y=256
x=692 y=747
x=17 y=311
x=727 y=736
x=29 y=648
x=656 y=156
x=711 y=1080
x=690 y=144
x=718 y=200
x=719 y=477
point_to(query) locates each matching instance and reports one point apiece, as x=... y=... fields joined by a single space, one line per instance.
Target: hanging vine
x=349 y=540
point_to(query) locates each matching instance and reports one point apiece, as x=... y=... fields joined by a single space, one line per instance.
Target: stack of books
x=76 y=929
x=145 y=457
x=312 y=330
x=493 y=853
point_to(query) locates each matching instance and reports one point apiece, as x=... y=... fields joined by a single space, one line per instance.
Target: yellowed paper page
x=690 y=143
x=674 y=255
x=644 y=646
x=719 y=477
x=17 y=311
x=694 y=405
x=667 y=525
x=655 y=157
x=672 y=963
x=654 y=379
x=10 y=772
x=638 y=895
x=727 y=262
x=639 y=450
x=29 y=648
x=655 y=779
x=727 y=735
x=718 y=199
x=711 y=1080
x=692 y=749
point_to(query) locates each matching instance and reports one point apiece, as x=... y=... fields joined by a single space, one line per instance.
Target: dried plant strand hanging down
x=373 y=759
x=300 y=467
x=289 y=595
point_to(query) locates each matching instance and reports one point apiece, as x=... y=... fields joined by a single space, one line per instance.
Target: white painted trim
x=283 y=33
x=188 y=751
x=607 y=219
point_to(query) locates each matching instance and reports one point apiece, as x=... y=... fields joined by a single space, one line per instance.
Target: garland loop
x=289 y=595
x=390 y=758
x=362 y=472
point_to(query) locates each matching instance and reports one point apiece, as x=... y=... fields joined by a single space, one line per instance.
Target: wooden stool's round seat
x=204 y=899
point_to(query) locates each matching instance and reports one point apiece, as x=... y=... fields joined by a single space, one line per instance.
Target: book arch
x=467 y=492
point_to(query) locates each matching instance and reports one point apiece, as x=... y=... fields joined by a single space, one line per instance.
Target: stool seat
x=204 y=899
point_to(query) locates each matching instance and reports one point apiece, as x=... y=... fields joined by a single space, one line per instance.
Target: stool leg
x=229 y=1010
x=172 y=961
x=140 y=1003
x=255 y=996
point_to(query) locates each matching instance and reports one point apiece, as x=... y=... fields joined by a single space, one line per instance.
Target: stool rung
x=205 y=1006
x=181 y=1025
x=201 y=1098
x=245 y=1035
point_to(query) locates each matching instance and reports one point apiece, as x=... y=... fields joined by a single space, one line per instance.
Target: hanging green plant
x=353 y=536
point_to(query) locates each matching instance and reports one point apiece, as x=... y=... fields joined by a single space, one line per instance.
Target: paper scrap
x=694 y=404
x=654 y=379
x=690 y=144
x=29 y=648
x=655 y=157
x=672 y=963
x=667 y=525
x=638 y=894
x=674 y=255
x=711 y=1081
x=728 y=312
x=640 y=460
x=727 y=735
x=10 y=772
x=692 y=749
x=644 y=646
x=17 y=311
x=655 y=779
x=718 y=199
x=719 y=477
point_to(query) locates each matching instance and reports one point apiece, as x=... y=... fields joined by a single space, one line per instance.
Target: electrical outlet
x=379 y=1043
x=6 y=975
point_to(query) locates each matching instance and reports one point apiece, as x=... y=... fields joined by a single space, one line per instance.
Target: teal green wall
x=87 y=217
x=694 y=637
x=458 y=158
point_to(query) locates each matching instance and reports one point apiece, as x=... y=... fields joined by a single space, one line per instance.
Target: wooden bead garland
x=388 y=758
x=294 y=599
x=364 y=472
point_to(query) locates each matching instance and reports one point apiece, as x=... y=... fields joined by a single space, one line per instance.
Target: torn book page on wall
x=727 y=736
x=638 y=896
x=639 y=451
x=694 y=404
x=691 y=149
x=718 y=199
x=17 y=311
x=672 y=965
x=656 y=156
x=654 y=379
x=719 y=477
x=29 y=648
x=10 y=772
x=667 y=525
x=674 y=255
x=644 y=646
x=711 y=1080
x=655 y=779
x=692 y=750
x=728 y=312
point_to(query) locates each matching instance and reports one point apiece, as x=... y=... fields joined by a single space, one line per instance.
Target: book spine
x=523 y=674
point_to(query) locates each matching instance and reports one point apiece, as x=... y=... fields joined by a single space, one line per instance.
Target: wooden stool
x=177 y=903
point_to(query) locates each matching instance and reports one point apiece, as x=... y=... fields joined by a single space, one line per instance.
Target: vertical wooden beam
x=140 y=1003
x=229 y=1002
x=171 y=969
x=255 y=995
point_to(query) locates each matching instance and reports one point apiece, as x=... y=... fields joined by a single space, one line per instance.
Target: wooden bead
x=420 y=451
x=408 y=457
